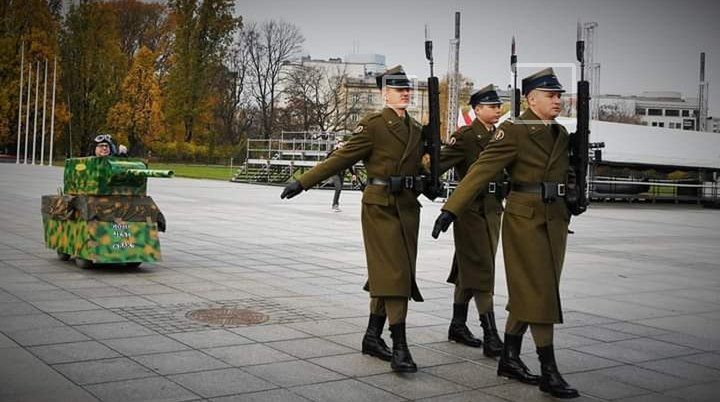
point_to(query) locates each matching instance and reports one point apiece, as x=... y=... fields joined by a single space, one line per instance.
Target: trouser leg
x=397 y=308
x=338 y=183
x=483 y=301
x=377 y=306
x=542 y=334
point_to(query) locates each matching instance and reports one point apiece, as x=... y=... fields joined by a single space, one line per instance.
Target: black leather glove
x=162 y=225
x=291 y=190
x=442 y=223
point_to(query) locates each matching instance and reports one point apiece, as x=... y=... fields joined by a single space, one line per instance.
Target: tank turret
x=108 y=176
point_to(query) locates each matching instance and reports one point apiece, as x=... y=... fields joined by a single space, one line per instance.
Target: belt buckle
x=492 y=187
x=409 y=182
x=561 y=189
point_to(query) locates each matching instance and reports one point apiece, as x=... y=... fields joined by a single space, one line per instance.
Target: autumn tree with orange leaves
x=137 y=118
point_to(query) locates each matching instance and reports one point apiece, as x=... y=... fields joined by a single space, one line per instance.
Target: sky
x=642 y=45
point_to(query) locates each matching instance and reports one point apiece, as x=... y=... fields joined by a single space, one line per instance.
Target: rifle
x=577 y=187
x=431 y=132
x=515 y=105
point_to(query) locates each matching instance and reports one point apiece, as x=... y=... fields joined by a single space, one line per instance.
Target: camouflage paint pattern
x=103 y=208
x=108 y=176
x=104 y=242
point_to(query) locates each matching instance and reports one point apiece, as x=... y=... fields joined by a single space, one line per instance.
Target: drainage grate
x=190 y=317
x=227 y=316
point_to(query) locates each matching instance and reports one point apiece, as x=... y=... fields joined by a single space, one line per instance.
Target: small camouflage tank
x=105 y=215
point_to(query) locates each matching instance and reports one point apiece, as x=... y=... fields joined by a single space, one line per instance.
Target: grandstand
x=277 y=160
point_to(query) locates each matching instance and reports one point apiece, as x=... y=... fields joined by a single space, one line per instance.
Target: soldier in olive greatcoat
x=477 y=230
x=389 y=143
x=534 y=150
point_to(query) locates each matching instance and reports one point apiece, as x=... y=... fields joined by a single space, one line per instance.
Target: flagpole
x=19 y=128
x=37 y=87
x=27 y=112
x=42 y=143
x=52 y=115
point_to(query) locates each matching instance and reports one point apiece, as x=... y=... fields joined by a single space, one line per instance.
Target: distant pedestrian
x=338 y=179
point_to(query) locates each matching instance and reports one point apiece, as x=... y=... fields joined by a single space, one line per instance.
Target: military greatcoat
x=477 y=229
x=534 y=233
x=388 y=145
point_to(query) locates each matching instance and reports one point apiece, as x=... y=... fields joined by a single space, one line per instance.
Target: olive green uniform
x=388 y=145
x=477 y=229
x=534 y=233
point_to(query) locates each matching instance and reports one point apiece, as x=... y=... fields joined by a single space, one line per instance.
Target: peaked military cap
x=394 y=77
x=485 y=96
x=543 y=80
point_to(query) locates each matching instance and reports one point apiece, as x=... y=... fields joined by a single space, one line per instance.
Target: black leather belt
x=500 y=189
x=548 y=190
x=398 y=183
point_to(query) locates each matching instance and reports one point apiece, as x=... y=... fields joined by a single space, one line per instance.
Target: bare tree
x=318 y=98
x=270 y=45
x=229 y=89
x=303 y=84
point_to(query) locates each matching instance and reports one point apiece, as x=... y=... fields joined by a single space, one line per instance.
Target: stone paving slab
x=640 y=289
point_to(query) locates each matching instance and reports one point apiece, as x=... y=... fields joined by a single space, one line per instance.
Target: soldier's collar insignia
x=358 y=129
x=479 y=136
x=499 y=135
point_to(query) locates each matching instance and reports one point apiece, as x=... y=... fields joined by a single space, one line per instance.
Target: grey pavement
x=640 y=290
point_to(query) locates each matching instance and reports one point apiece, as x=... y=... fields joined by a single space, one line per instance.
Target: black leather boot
x=551 y=381
x=372 y=343
x=511 y=366
x=402 y=361
x=492 y=345
x=458 y=331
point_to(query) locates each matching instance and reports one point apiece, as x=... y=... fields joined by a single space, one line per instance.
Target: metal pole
x=19 y=130
x=52 y=115
x=37 y=88
x=27 y=112
x=42 y=143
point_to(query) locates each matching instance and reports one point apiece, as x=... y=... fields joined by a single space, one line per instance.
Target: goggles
x=103 y=138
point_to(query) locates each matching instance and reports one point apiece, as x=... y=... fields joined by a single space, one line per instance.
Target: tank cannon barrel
x=148 y=173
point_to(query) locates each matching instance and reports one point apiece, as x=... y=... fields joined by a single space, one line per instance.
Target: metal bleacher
x=277 y=160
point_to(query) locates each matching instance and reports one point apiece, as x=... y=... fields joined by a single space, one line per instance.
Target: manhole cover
x=227 y=316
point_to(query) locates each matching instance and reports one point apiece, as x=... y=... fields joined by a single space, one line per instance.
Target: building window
x=640 y=111
x=654 y=124
x=672 y=112
x=686 y=113
x=654 y=112
x=661 y=124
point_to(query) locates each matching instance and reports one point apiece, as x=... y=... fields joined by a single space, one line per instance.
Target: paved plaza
x=640 y=291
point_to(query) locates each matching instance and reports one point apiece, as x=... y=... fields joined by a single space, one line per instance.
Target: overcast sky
x=642 y=45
